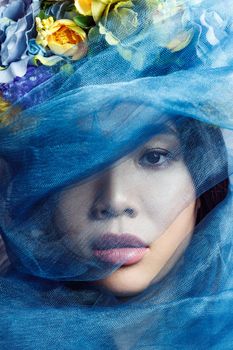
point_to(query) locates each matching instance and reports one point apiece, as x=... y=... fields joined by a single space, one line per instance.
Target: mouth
x=125 y=249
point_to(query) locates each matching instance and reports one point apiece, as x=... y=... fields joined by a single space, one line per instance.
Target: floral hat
x=39 y=39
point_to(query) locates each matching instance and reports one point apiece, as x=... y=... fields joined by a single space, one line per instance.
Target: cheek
x=166 y=192
x=71 y=212
x=181 y=228
x=167 y=249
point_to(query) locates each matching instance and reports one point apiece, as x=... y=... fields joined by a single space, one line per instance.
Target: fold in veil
x=72 y=128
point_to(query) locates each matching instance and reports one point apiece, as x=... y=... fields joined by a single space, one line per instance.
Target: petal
x=98 y=8
x=15 y=69
x=59 y=49
x=48 y=61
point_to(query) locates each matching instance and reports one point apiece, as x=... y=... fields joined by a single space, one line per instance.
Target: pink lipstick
x=119 y=248
x=128 y=256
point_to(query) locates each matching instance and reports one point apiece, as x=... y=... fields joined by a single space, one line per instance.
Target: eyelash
x=169 y=157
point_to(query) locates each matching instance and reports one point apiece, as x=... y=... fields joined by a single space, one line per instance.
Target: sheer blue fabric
x=77 y=126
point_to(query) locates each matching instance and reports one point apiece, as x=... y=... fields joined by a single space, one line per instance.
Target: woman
x=151 y=196
x=115 y=207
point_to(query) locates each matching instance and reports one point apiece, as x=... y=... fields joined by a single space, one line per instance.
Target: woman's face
x=140 y=214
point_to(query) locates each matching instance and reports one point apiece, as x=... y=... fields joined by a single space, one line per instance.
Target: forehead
x=166 y=133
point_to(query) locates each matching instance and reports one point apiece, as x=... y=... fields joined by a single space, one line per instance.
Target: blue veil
x=84 y=120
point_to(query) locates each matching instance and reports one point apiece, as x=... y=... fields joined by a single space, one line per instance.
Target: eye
x=155 y=158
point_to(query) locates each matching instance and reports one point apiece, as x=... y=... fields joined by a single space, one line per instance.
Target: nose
x=115 y=195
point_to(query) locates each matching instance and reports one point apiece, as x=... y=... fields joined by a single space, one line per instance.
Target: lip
x=124 y=256
x=123 y=240
x=119 y=248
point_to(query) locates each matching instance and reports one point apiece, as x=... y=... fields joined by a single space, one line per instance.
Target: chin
x=125 y=283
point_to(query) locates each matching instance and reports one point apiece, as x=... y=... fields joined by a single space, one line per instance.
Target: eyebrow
x=163 y=129
x=168 y=129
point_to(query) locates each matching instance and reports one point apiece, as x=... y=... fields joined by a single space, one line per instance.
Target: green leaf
x=42 y=15
x=84 y=22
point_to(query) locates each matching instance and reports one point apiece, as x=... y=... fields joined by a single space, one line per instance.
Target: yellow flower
x=170 y=24
x=182 y=40
x=4 y=105
x=117 y=23
x=7 y=112
x=63 y=37
x=84 y=7
x=95 y=8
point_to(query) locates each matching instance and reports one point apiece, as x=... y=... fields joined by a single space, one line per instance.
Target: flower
x=211 y=46
x=21 y=86
x=4 y=105
x=16 y=28
x=84 y=7
x=63 y=37
x=97 y=8
x=171 y=26
x=35 y=49
x=117 y=23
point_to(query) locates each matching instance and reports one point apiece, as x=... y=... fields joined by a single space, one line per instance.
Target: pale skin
x=162 y=256
x=152 y=194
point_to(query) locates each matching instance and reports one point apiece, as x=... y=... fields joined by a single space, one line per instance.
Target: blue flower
x=21 y=86
x=34 y=48
x=16 y=29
